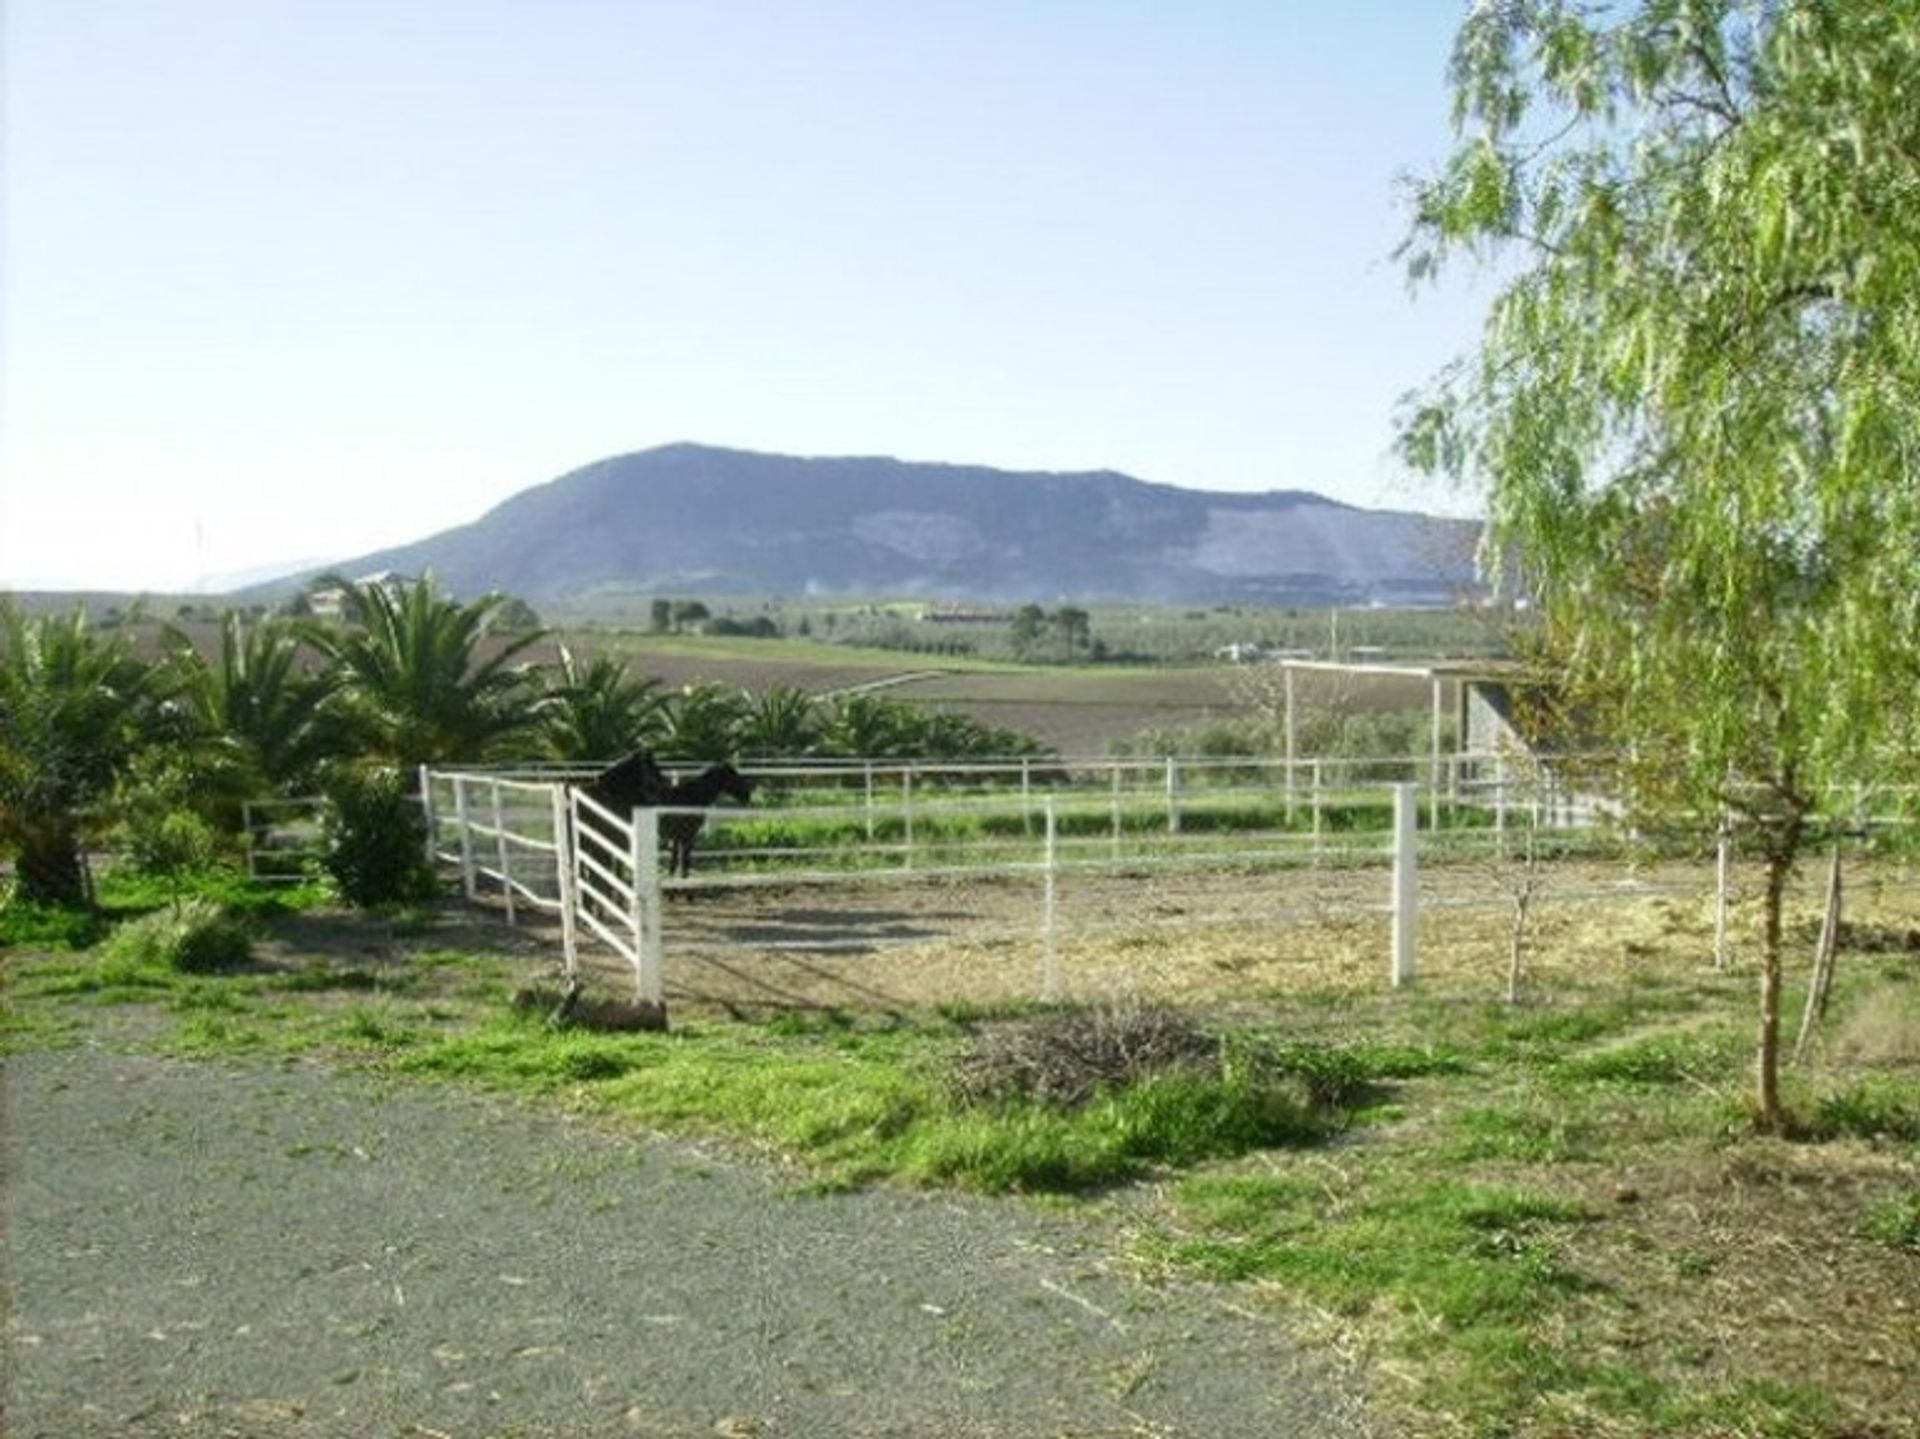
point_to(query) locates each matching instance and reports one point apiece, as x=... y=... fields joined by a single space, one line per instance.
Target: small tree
x=1692 y=409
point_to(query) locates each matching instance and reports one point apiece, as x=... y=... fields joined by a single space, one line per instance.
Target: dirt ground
x=1187 y=935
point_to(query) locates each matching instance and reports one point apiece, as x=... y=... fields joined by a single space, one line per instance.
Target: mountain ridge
x=687 y=517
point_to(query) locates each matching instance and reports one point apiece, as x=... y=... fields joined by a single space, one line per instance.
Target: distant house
x=329 y=601
x=964 y=615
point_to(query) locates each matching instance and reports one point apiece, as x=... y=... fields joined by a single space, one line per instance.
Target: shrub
x=196 y=937
x=27 y=925
x=1062 y=1058
x=375 y=838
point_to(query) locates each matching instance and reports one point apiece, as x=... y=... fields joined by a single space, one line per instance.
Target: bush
x=27 y=925
x=197 y=937
x=375 y=838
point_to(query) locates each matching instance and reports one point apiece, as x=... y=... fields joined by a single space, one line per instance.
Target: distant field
x=830 y=647
x=1076 y=710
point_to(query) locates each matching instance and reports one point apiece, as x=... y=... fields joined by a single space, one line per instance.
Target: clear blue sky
x=291 y=279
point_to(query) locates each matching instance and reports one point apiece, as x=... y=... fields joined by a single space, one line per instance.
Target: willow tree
x=1693 y=406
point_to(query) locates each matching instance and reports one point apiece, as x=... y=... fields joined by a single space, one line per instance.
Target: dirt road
x=290 y=1252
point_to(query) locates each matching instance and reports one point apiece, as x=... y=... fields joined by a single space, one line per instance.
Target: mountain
x=691 y=519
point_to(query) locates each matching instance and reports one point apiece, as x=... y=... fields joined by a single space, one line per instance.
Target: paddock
x=877 y=888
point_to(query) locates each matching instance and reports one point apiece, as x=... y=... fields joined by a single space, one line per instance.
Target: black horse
x=638 y=782
x=681 y=830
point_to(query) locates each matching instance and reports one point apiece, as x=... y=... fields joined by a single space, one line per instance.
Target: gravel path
x=200 y=1250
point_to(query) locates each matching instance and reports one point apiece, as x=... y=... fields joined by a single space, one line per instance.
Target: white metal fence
x=1048 y=835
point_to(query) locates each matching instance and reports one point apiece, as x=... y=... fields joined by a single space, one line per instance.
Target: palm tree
x=783 y=723
x=875 y=727
x=261 y=705
x=703 y=722
x=74 y=709
x=601 y=710
x=420 y=678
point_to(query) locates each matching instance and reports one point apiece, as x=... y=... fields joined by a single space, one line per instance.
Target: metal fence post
x=563 y=860
x=468 y=884
x=1049 y=944
x=431 y=816
x=1318 y=853
x=646 y=906
x=504 y=850
x=1406 y=887
x=906 y=814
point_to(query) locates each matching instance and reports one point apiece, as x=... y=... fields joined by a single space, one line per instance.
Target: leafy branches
x=1686 y=410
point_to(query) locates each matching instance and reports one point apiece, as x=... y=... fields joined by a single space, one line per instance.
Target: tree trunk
x=50 y=868
x=1769 y=1114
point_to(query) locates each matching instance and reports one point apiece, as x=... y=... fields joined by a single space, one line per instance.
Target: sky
x=293 y=280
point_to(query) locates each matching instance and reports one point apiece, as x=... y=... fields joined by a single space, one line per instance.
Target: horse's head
x=732 y=783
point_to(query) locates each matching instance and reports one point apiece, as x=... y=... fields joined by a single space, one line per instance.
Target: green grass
x=1440 y=1173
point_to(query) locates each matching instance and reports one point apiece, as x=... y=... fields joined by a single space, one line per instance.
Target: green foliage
x=425 y=679
x=375 y=837
x=1871 y=1109
x=74 y=708
x=195 y=937
x=1687 y=411
x=259 y=708
x=1896 y=1221
x=26 y=924
x=599 y=710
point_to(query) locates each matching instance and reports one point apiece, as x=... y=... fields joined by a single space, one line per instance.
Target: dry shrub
x=1064 y=1057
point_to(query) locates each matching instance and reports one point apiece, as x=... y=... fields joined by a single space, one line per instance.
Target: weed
x=1870 y=1109
x=25 y=925
x=1895 y=1221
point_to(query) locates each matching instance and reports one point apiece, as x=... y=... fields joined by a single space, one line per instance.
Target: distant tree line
x=97 y=737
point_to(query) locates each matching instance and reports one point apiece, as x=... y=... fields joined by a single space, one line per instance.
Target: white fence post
x=1049 y=944
x=1118 y=823
x=906 y=814
x=468 y=885
x=432 y=817
x=1173 y=796
x=563 y=817
x=1319 y=852
x=646 y=905
x=868 y=770
x=503 y=850
x=1406 y=883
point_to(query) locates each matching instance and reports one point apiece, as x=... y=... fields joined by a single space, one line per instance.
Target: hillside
x=694 y=519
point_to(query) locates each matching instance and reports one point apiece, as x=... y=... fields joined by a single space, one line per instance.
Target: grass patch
x=1895 y=1221
x=195 y=937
